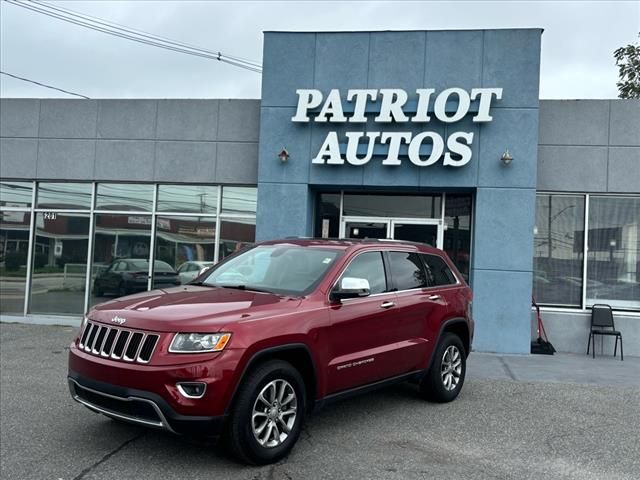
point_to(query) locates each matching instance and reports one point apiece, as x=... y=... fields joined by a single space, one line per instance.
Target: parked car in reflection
x=129 y=275
x=190 y=270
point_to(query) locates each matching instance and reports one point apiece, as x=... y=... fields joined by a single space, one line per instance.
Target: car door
x=360 y=331
x=420 y=308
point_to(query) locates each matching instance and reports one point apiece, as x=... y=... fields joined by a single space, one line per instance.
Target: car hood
x=190 y=308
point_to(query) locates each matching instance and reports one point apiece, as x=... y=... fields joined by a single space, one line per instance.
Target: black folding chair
x=602 y=324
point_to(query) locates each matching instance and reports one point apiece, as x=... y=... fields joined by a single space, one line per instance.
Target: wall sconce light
x=284 y=155
x=506 y=157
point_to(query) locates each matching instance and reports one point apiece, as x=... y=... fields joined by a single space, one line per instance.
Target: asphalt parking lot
x=509 y=422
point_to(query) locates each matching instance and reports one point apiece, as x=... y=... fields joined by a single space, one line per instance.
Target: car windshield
x=282 y=269
x=143 y=265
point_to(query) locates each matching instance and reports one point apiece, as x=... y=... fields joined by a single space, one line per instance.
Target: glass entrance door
x=366 y=229
x=416 y=232
x=423 y=231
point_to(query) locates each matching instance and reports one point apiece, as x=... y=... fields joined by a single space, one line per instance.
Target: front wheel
x=268 y=413
x=445 y=377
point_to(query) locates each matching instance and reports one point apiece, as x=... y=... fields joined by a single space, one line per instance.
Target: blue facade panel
x=501 y=269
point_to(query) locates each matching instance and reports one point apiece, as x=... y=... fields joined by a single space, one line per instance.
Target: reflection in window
x=558 y=247
x=119 y=237
x=14 y=243
x=187 y=198
x=59 y=263
x=73 y=196
x=613 y=262
x=327 y=215
x=239 y=199
x=235 y=235
x=125 y=197
x=401 y=206
x=457 y=232
x=15 y=194
x=407 y=270
x=185 y=243
x=369 y=266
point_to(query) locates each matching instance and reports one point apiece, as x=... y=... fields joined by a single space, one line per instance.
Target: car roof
x=351 y=243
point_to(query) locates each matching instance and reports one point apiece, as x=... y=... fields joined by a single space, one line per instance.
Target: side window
x=368 y=265
x=438 y=270
x=407 y=270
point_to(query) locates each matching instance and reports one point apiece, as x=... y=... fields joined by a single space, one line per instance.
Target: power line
x=44 y=85
x=142 y=33
x=116 y=30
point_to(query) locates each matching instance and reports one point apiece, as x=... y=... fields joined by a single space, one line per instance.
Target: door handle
x=387 y=305
x=434 y=297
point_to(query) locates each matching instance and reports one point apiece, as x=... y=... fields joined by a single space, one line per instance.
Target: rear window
x=438 y=272
x=407 y=270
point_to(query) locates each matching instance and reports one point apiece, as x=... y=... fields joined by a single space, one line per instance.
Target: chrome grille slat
x=136 y=342
x=92 y=329
x=103 y=340
x=147 y=348
x=100 y=336
x=109 y=342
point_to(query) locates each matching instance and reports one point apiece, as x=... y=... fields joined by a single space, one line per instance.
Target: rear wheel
x=446 y=375
x=268 y=413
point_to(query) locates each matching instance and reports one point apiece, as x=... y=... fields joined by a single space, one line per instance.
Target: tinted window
x=407 y=270
x=438 y=273
x=368 y=265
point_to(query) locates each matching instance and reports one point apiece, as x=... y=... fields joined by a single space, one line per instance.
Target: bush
x=14 y=260
x=40 y=260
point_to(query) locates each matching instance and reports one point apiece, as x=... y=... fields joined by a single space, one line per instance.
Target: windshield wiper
x=203 y=284
x=246 y=287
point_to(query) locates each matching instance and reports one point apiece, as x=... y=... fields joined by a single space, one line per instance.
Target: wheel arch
x=297 y=354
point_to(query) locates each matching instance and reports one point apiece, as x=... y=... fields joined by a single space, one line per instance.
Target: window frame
x=633 y=311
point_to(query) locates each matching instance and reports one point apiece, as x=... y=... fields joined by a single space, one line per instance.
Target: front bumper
x=139 y=407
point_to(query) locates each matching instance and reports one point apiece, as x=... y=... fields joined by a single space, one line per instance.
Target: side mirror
x=351 y=287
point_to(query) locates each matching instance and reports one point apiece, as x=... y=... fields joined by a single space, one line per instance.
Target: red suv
x=264 y=337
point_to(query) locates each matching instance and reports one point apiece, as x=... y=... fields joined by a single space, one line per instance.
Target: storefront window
x=187 y=198
x=328 y=215
x=558 y=250
x=186 y=245
x=120 y=243
x=125 y=197
x=59 y=263
x=15 y=194
x=14 y=244
x=457 y=232
x=399 y=206
x=239 y=199
x=613 y=262
x=236 y=234
x=71 y=196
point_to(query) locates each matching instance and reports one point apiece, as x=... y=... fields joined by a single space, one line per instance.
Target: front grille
x=117 y=343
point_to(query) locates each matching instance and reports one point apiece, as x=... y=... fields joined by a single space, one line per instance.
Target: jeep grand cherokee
x=255 y=343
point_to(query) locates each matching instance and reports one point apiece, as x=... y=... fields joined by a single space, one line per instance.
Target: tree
x=628 y=63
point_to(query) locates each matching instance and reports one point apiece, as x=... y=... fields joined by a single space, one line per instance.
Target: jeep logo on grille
x=118 y=320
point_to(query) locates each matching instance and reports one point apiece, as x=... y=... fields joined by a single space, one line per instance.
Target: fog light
x=192 y=389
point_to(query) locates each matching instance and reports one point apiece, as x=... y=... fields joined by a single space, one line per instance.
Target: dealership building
x=431 y=136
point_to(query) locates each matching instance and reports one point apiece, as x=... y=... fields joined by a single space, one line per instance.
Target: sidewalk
x=564 y=368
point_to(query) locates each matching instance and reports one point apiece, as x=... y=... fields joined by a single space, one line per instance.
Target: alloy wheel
x=274 y=413
x=451 y=368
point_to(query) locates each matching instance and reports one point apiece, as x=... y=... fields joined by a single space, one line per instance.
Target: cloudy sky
x=577 y=44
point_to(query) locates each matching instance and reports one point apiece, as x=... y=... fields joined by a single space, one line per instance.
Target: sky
x=577 y=44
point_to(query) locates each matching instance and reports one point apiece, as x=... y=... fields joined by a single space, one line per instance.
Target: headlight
x=199 y=342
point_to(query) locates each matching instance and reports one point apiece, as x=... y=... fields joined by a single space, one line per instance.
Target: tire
x=250 y=440
x=122 y=290
x=448 y=365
